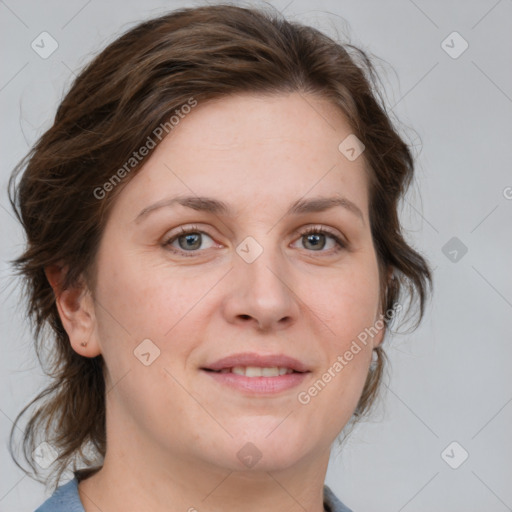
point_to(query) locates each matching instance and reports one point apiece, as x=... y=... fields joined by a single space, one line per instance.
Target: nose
x=261 y=292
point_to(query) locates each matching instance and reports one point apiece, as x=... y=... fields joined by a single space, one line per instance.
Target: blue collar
x=66 y=499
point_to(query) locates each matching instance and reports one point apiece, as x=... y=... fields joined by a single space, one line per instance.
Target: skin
x=173 y=433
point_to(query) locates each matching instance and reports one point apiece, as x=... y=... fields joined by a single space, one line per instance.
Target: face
x=220 y=293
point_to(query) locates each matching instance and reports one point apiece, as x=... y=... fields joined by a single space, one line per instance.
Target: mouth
x=256 y=371
x=258 y=374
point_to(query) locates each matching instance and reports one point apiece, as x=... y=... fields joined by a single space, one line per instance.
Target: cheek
x=137 y=303
x=347 y=302
x=149 y=301
x=145 y=299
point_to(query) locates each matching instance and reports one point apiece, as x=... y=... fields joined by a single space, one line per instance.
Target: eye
x=189 y=240
x=315 y=237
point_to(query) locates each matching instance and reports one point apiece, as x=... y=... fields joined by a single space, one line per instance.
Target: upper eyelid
x=183 y=230
x=195 y=228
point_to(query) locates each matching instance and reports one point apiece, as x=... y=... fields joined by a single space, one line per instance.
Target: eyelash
x=340 y=245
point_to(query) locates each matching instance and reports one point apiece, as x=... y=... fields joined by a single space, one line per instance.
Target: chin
x=250 y=460
x=260 y=448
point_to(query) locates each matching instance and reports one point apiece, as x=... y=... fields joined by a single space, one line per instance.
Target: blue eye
x=316 y=237
x=191 y=240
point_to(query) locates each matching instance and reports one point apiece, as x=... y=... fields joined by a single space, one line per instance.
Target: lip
x=262 y=361
x=258 y=385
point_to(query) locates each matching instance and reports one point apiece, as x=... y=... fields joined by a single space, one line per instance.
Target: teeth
x=270 y=372
x=255 y=371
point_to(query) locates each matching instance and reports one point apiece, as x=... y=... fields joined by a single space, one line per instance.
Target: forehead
x=248 y=150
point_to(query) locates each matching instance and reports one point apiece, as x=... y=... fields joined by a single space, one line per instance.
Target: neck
x=198 y=475
x=129 y=480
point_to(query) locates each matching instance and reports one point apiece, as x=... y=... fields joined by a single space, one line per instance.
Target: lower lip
x=259 y=385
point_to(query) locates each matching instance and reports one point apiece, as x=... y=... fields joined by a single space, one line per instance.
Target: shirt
x=66 y=499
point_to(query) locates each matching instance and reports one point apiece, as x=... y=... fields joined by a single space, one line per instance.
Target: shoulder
x=332 y=503
x=64 y=499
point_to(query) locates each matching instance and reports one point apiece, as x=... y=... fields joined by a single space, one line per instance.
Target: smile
x=255 y=371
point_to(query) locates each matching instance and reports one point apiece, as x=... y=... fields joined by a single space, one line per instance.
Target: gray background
x=450 y=380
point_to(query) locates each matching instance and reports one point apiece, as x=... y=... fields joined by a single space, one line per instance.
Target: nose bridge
x=262 y=288
x=262 y=263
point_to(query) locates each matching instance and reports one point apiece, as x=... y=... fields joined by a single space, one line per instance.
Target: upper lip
x=261 y=361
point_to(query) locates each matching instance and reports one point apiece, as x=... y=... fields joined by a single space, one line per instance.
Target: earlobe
x=390 y=275
x=380 y=326
x=76 y=311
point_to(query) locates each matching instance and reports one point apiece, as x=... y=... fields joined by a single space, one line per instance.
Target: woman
x=213 y=239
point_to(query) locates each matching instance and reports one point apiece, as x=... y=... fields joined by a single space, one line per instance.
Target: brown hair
x=113 y=106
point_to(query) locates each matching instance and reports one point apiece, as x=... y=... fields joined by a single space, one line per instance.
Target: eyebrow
x=217 y=207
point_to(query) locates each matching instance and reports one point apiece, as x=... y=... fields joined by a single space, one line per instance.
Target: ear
x=76 y=310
